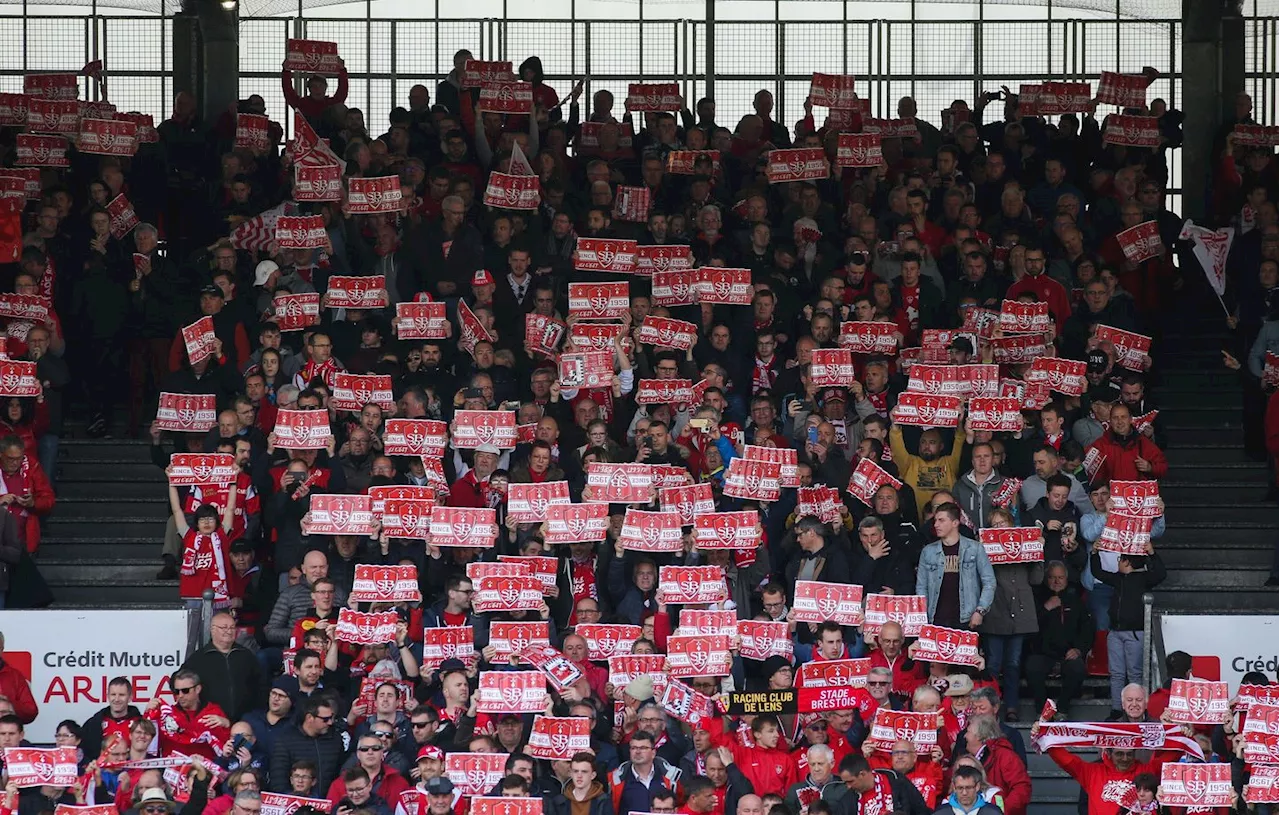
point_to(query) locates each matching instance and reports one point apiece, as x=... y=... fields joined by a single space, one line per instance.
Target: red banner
x=1002 y=414
x=554 y=665
x=832 y=684
x=1126 y=534
x=385 y=584
x=13 y=109
x=357 y=292
x=519 y=593
x=721 y=286
x=624 y=483
x=675 y=288
x=251 y=132
x=61 y=116
x=1130 y=347
x=354 y=391
x=1200 y=787
x=1125 y=90
x=605 y=255
x=1261 y=734
x=606 y=641
x=200 y=469
x=1140 y=499
x=447 y=642
x=867 y=478
x=799 y=164
x=698 y=656
x=923 y=410
x=472 y=428
x=651 y=532
x=379 y=496
x=907 y=610
x=599 y=301
x=358 y=628
x=31 y=308
x=463 y=526
x=366 y=196
x=1021 y=544
x=506 y=806
x=1064 y=376
x=115 y=137
x=1264 y=784
x=294 y=312
x=710 y=623
x=546 y=569
x=689 y=502
x=320 y=182
x=822 y=503
x=312 y=56
x=474 y=774
x=833 y=91
x=1197 y=701
x=1017 y=349
x=199 y=338
x=589 y=369
x=543 y=334
x=301 y=232
x=684 y=703
x=649 y=98
x=340 y=515
x=414 y=437
x=753 y=480
x=890 y=726
x=556 y=739
x=760 y=639
x=858 y=150
x=870 y=337
x=663 y=258
x=1131 y=131
x=589 y=135
x=30 y=177
x=37 y=767
x=510 y=638
x=406 y=517
x=1022 y=318
x=949 y=645
x=186 y=412
x=421 y=321
x=42 y=151
x=505 y=191
x=123 y=218
x=528 y=503
x=891 y=128
x=1141 y=243
x=303 y=430
x=276 y=803
x=691 y=584
x=625 y=667
x=51 y=86
x=663 y=391
x=1255 y=135
x=684 y=162
x=1064 y=97
x=632 y=204
x=816 y=602
x=575 y=523
x=475 y=73
x=506 y=97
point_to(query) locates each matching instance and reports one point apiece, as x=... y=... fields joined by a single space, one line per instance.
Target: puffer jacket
x=978 y=499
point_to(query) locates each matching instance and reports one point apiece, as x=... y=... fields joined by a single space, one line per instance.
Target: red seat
x=1096 y=664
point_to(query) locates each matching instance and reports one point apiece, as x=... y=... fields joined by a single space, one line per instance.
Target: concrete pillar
x=206 y=55
x=1212 y=74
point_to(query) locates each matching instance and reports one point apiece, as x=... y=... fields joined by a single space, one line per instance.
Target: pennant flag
x=1211 y=248
x=258 y=232
x=519 y=162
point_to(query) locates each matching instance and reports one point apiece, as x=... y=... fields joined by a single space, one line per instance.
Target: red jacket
x=15 y=687
x=1006 y=771
x=181 y=731
x=1049 y=291
x=1100 y=779
x=907 y=673
x=35 y=482
x=1120 y=455
x=307 y=106
x=769 y=771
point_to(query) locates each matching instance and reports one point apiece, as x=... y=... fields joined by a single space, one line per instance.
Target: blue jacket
x=977 y=579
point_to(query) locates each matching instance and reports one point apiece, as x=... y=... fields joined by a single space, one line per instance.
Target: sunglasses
x=184 y=691
x=420 y=725
x=370 y=749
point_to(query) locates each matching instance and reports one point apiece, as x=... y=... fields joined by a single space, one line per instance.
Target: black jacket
x=91 y=743
x=833 y=566
x=1126 y=600
x=1068 y=626
x=233 y=681
x=293 y=745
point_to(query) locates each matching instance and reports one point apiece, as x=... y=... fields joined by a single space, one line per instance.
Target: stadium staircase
x=101 y=547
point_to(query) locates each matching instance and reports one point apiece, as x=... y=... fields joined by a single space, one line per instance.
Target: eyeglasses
x=877 y=684
x=371 y=748
x=325 y=719
x=184 y=691
x=420 y=725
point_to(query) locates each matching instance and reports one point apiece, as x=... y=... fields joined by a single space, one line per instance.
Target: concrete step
x=119 y=449
x=96 y=470
x=1211 y=432
x=109 y=594
x=1224 y=514
x=1176 y=399
x=1218 y=575
x=1212 y=380
x=1194 y=558
x=1205 y=537
x=1188 y=454
x=113 y=507
x=128 y=528
x=1181 y=493
x=140 y=605
x=1253 y=473
x=98 y=571
x=113 y=490
x=70 y=549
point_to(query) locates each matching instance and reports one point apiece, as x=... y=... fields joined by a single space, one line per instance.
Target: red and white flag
x=625 y=667
x=907 y=610
x=421 y=321
x=367 y=196
x=42 y=151
x=727 y=530
x=407 y=517
x=1131 y=131
x=51 y=86
x=1261 y=732
x=684 y=703
x=888 y=726
x=1198 y=701
x=867 y=478
x=1256 y=135
x=546 y=569
x=143 y=122
x=362 y=293
x=378 y=496
x=506 y=191
x=319 y=182
x=816 y=601
x=312 y=56
x=833 y=91
x=18 y=378
x=1141 y=243
x=554 y=665
x=555 y=739
x=858 y=150
x=472 y=428
x=613 y=255
x=251 y=132
x=1002 y=414
x=663 y=391
x=1020 y=544
x=476 y=72
x=1264 y=784
x=925 y=410
x=511 y=638
x=354 y=391
x=949 y=645
x=698 y=656
x=303 y=430
x=678 y=287
x=684 y=162
x=653 y=97
x=180 y=412
x=1064 y=97
x=1126 y=534
x=123 y=218
x=415 y=437
x=1140 y=499
x=821 y=502
x=277 y=803
x=832 y=367
x=576 y=523
x=528 y=503
x=103 y=137
x=473 y=527
x=294 y=312
x=340 y=515
x=1211 y=248
x=199 y=469
x=869 y=337
x=684 y=585
x=622 y=483
x=1022 y=318
x=599 y=301
x=40 y=767
x=707 y=622
x=513 y=593
x=753 y=480
x=447 y=642
x=1064 y=376
x=761 y=639
x=1199 y=787
x=385 y=584
x=198 y=338
x=511 y=692
x=506 y=97
x=60 y=116
x=632 y=204
x=798 y=164
x=474 y=774
x=651 y=531
x=688 y=501
x=301 y=232
x=506 y=806
x=542 y=334
x=1125 y=90
x=665 y=332
x=606 y=641
x=1130 y=347
x=720 y=286
x=360 y=628
x=13 y=109
x=1016 y=349
x=662 y=258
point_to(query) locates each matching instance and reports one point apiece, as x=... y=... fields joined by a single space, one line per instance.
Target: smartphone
x=813 y=435
x=240 y=741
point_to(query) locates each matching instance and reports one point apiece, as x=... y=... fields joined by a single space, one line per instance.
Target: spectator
x=1137 y=575
x=314 y=739
x=236 y=683
x=1065 y=639
x=955 y=575
x=985 y=742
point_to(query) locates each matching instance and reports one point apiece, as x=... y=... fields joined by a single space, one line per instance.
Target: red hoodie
x=1102 y=782
x=769 y=771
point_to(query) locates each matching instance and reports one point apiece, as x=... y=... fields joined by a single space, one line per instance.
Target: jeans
x=1124 y=662
x=48 y=455
x=1100 y=605
x=1004 y=659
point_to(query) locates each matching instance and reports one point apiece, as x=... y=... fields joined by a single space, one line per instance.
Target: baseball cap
x=1106 y=392
x=440 y=785
x=1097 y=361
x=482 y=278
x=241 y=545
x=833 y=393
x=264 y=270
x=212 y=290
x=959 y=685
x=962 y=344
x=432 y=752
x=488 y=448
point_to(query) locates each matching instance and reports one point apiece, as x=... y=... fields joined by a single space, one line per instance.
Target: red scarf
x=911 y=302
x=879 y=799
x=879 y=401
x=204 y=565
x=325 y=370
x=765 y=374
x=47 y=279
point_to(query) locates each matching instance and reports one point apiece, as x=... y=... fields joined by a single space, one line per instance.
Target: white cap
x=263 y=271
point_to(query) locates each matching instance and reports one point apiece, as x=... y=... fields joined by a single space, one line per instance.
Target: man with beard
x=930 y=470
x=975 y=491
x=1047 y=464
x=356 y=460
x=1133 y=393
x=1127 y=454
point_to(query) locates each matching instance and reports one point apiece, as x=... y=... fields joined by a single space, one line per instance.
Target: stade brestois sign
x=70 y=656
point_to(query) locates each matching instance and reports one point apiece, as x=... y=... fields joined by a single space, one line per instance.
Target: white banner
x=70 y=656
x=1232 y=645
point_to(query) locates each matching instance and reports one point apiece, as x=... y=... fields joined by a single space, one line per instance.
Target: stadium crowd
x=989 y=257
